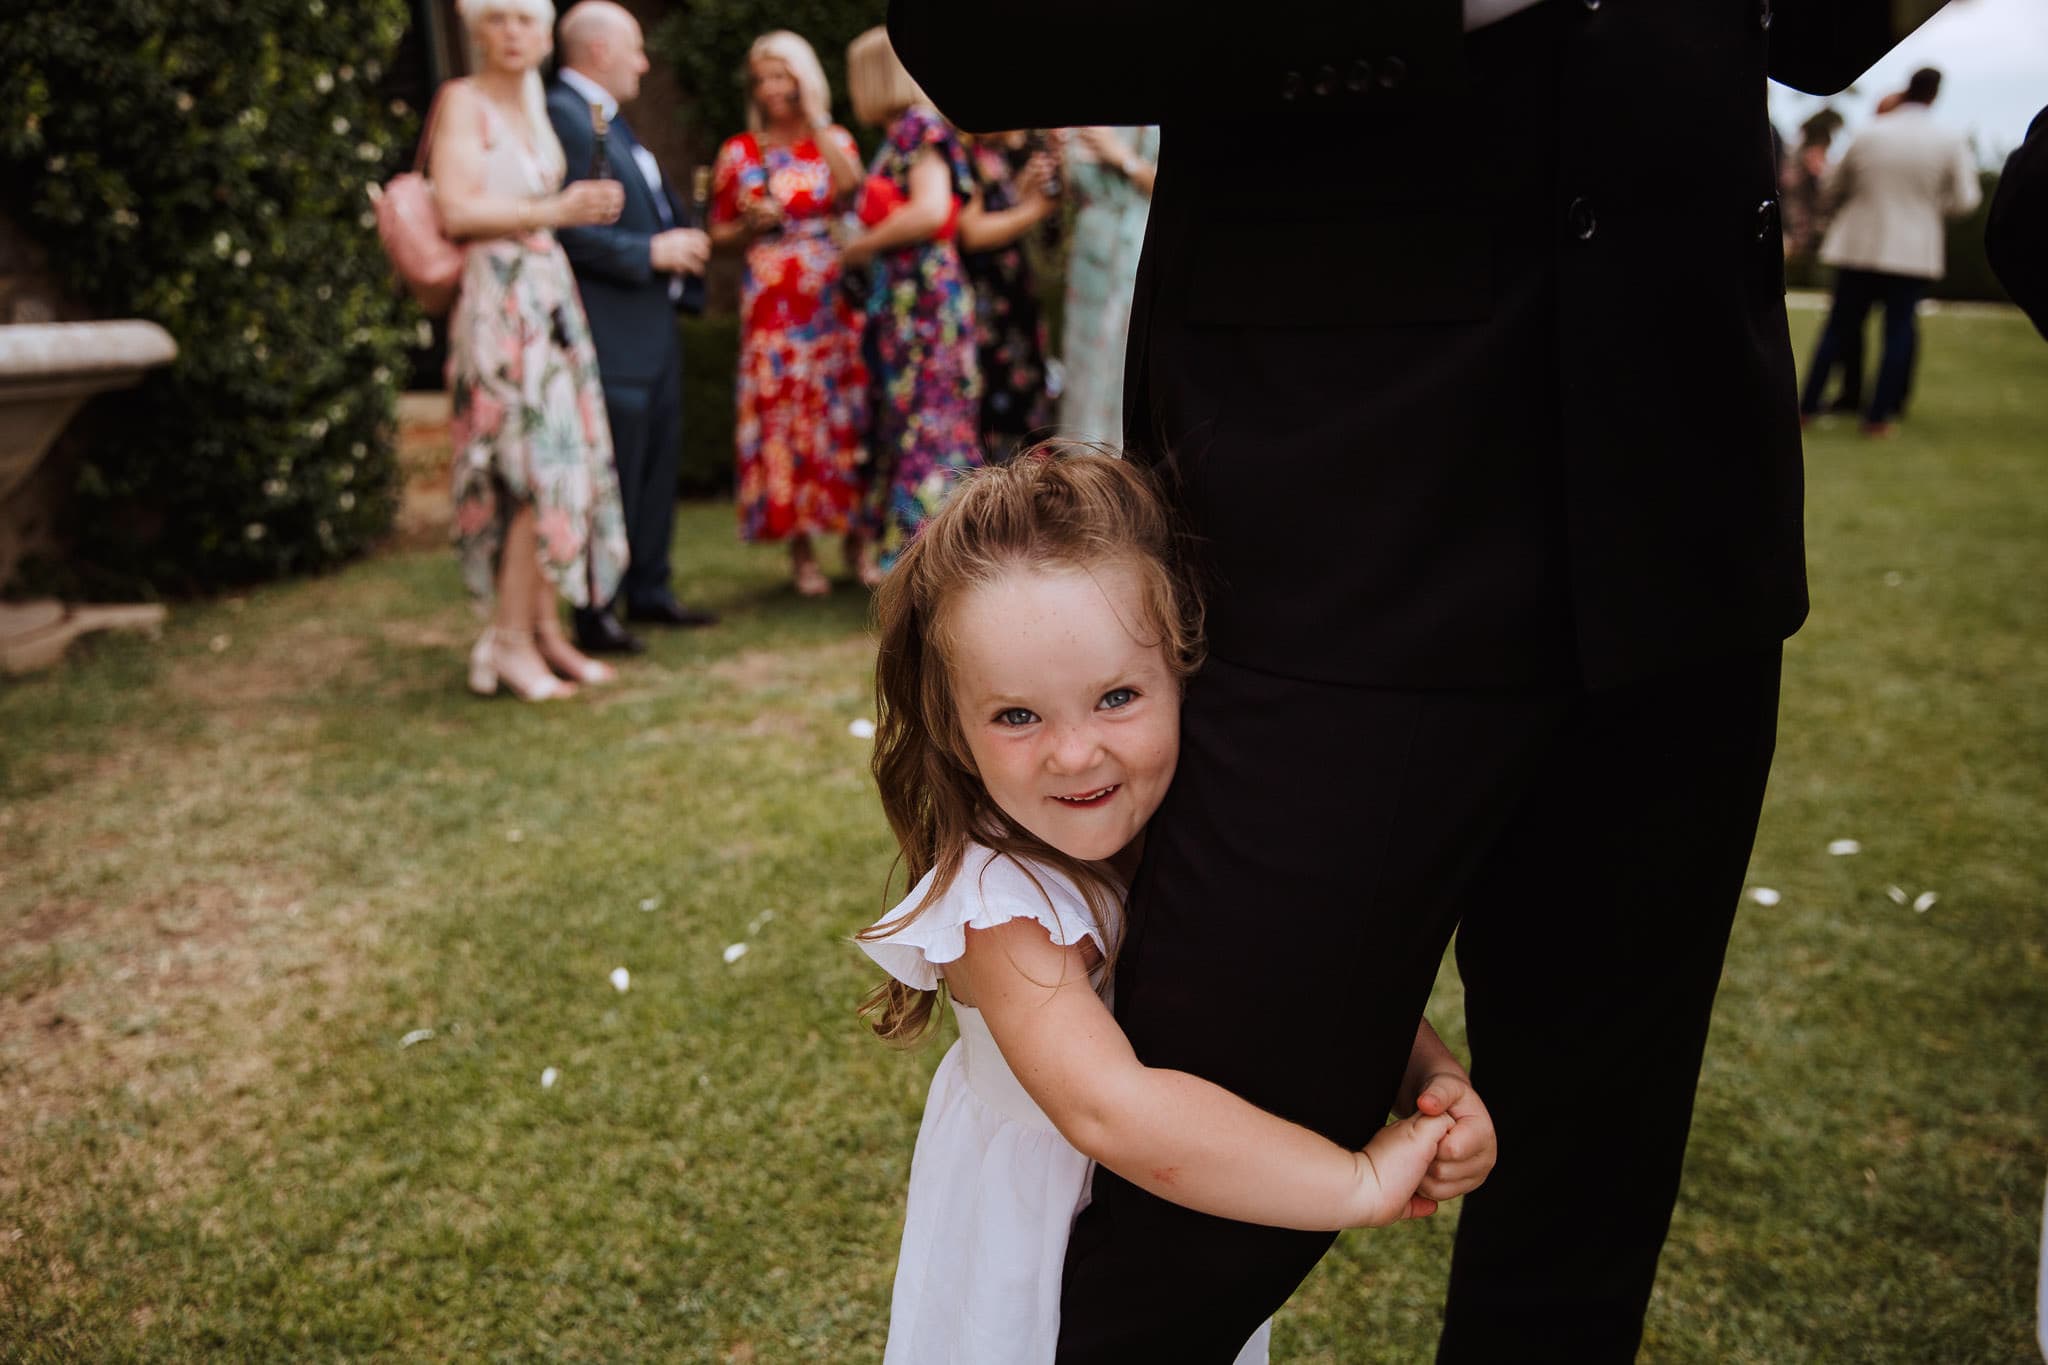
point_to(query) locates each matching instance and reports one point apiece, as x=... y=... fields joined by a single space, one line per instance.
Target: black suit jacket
x=2016 y=233
x=632 y=319
x=1466 y=355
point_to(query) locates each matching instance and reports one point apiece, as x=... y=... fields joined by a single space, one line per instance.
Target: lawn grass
x=239 y=865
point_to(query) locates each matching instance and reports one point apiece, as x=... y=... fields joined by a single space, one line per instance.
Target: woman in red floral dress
x=802 y=387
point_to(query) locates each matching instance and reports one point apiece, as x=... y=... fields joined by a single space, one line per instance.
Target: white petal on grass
x=418 y=1035
x=1924 y=902
x=218 y=644
x=513 y=836
x=1897 y=894
x=734 y=952
x=621 y=979
x=1764 y=895
x=754 y=925
x=1893 y=578
x=862 y=728
x=548 y=1078
x=650 y=902
x=1842 y=848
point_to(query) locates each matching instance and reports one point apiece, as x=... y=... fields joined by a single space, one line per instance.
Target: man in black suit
x=1464 y=354
x=2016 y=233
x=633 y=276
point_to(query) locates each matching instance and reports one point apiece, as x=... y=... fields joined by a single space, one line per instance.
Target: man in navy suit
x=633 y=275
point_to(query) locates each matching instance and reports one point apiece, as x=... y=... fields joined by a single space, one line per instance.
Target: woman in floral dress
x=1110 y=171
x=926 y=388
x=537 y=510
x=1010 y=183
x=801 y=387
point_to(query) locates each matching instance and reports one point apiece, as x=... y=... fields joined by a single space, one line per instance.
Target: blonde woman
x=925 y=427
x=801 y=389
x=536 y=500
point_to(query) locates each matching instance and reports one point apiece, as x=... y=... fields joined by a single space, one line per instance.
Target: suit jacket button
x=1291 y=86
x=1326 y=82
x=1766 y=220
x=1393 y=73
x=1579 y=217
x=1360 y=79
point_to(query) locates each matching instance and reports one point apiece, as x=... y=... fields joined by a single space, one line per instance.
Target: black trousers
x=1318 y=847
x=647 y=441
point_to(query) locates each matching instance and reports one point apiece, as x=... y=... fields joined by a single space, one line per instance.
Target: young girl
x=1034 y=639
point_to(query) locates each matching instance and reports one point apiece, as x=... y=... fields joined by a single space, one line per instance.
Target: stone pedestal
x=47 y=371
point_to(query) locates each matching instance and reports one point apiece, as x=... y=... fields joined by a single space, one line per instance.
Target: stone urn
x=47 y=371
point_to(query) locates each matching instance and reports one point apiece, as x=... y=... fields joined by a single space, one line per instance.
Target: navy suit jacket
x=632 y=318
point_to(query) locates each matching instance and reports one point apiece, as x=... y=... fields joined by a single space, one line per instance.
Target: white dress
x=993 y=1186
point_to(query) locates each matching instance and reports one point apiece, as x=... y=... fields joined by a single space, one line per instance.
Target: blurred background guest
x=1892 y=189
x=1014 y=175
x=926 y=386
x=801 y=386
x=1109 y=173
x=632 y=275
x=536 y=501
x=1804 y=212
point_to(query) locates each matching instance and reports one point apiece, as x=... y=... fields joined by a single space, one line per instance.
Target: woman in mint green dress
x=1109 y=173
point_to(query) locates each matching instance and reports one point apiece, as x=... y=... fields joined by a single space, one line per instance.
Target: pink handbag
x=409 y=225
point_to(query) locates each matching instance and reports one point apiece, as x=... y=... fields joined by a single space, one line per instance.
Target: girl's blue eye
x=1118 y=696
x=1015 y=716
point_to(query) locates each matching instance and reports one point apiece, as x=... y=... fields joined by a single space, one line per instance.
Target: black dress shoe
x=599 y=632
x=666 y=611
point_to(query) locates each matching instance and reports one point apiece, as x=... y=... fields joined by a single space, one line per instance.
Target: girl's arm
x=1172 y=1134
x=914 y=220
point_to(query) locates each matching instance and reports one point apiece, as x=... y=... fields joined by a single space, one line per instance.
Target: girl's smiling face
x=1067 y=703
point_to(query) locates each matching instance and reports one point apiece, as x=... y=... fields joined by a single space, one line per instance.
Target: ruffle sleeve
x=991 y=889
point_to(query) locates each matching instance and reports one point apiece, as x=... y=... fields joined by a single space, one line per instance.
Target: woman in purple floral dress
x=926 y=406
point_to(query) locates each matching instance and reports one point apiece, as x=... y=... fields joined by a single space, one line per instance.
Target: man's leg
x=1846 y=314
x=1298 y=888
x=652 y=520
x=1591 y=951
x=1901 y=295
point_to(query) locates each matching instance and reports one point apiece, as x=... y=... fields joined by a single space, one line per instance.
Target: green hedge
x=202 y=163
x=705 y=42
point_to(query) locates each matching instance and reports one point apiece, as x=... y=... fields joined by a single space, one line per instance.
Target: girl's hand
x=1391 y=1171
x=1466 y=1155
x=589 y=203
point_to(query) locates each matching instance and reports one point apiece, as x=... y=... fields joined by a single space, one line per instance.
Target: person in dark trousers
x=1491 y=461
x=633 y=276
x=1892 y=190
x=2016 y=232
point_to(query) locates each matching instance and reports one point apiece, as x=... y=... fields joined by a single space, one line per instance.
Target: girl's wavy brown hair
x=1062 y=505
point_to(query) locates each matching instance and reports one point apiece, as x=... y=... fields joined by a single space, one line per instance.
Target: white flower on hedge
x=345 y=471
x=346 y=502
x=250 y=118
x=255 y=530
x=317 y=428
x=424 y=334
x=252 y=333
x=275 y=488
x=242 y=258
x=57 y=165
x=358 y=450
x=340 y=126
x=368 y=151
x=184 y=102
x=222 y=244
x=323 y=82
x=382 y=374
x=261 y=353
x=125 y=218
x=374 y=70
x=337 y=412
x=347 y=73
x=366 y=219
x=399 y=108
x=316 y=8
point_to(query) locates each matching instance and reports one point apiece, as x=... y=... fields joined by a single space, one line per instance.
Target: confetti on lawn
x=862 y=728
x=218 y=644
x=1893 y=578
x=418 y=1035
x=1897 y=893
x=1842 y=848
x=1924 y=902
x=734 y=952
x=1764 y=895
x=621 y=979
x=754 y=925
x=513 y=836
x=548 y=1078
x=650 y=902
